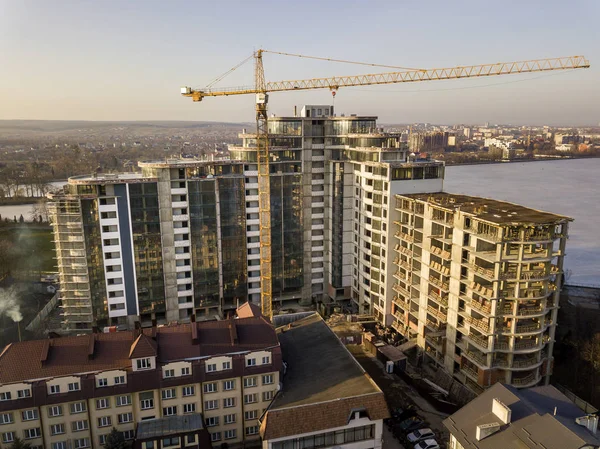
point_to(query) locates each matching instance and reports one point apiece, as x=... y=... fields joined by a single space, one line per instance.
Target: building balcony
x=491 y=237
x=446 y=255
x=401 y=304
x=486 y=273
x=528 y=363
x=181 y=217
x=438 y=283
x=480 y=324
x=179 y=191
x=478 y=359
x=470 y=372
x=438 y=314
x=403 y=236
x=444 y=271
x=526 y=381
x=476 y=340
x=399 y=289
x=435 y=328
x=181 y=243
x=443 y=301
x=403 y=250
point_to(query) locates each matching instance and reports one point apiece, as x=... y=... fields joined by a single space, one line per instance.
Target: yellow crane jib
x=406 y=75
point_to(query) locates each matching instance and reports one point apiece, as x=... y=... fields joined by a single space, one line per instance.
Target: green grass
x=31 y=248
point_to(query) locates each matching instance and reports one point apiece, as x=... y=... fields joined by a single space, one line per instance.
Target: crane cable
x=341 y=60
x=220 y=77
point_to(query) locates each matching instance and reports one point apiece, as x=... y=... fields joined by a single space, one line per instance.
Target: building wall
x=479 y=298
x=239 y=390
x=291 y=441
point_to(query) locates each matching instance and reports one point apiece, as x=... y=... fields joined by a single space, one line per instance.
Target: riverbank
x=20 y=200
x=509 y=161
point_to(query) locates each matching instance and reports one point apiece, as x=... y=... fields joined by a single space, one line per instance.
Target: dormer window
x=250 y=362
x=169 y=373
x=144 y=363
x=74 y=386
x=210 y=367
x=54 y=389
x=102 y=382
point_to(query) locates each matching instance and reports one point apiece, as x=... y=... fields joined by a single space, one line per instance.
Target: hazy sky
x=126 y=60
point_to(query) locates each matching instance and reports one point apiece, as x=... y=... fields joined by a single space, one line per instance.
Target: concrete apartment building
x=357 y=221
x=181 y=239
x=69 y=392
x=477 y=284
x=508 y=418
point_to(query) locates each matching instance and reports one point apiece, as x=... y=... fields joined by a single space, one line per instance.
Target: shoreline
x=539 y=159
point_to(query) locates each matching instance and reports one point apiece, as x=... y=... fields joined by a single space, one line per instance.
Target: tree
x=18 y=443
x=21 y=219
x=115 y=440
x=591 y=354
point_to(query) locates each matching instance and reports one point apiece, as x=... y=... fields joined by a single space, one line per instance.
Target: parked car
x=420 y=435
x=411 y=424
x=427 y=444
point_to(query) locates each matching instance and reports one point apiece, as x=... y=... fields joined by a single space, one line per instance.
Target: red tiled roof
x=248 y=309
x=143 y=346
x=297 y=420
x=38 y=359
x=66 y=355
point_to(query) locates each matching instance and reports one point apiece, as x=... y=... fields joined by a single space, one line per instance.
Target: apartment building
x=508 y=418
x=477 y=284
x=181 y=238
x=341 y=407
x=70 y=392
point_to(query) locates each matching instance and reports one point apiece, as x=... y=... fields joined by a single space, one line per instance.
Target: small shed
x=389 y=353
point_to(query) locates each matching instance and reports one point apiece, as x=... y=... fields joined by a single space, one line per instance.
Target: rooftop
x=39 y=359
x=310 y=347
x=493 y=211
x=109 y=178
x=323 y=384
x=532 y=424
x=169 y=425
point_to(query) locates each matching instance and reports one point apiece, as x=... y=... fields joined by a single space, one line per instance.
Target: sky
x=127 y=59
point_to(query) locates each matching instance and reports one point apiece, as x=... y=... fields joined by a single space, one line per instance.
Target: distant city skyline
x=125 y=60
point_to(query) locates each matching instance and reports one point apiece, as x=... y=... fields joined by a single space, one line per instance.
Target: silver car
x=420 y=435
x=427 y=444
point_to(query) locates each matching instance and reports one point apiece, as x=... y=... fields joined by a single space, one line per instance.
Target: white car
x=427 y=444
x=420 y=435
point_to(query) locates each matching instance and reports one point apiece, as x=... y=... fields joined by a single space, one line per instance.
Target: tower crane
x=262 y=88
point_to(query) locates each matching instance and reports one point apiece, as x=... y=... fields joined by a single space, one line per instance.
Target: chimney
x=137 y=330
x=485 y=430
x=501 y=411
x=194 y=328
x=154 y=326
x=589 y=421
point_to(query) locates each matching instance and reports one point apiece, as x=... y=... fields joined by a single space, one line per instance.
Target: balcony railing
x=440 y=268
x=405 y=237
x=478 y=357
x=482 y=342
x=482 y=325
x=438 y=298
x=399 y=289
x=520 y=381
x=440 y=284
x=437 y=313
x=441 y=253
x=403 y=250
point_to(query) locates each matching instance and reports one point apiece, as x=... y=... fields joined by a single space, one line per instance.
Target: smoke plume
x=9 y=304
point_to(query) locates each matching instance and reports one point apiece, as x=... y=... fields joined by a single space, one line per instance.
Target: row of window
x=7 y=396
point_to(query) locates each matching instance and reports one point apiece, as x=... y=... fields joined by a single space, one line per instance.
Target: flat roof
x=109 y=178
x=494 y=211
x=319 y=367
x=169 y=425
x=541 y=417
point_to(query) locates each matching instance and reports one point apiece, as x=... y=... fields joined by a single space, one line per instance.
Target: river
x=567 y=187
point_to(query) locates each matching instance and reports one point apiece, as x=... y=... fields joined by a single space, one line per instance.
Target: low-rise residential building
x=327 y=399
x=70 y=392
x=506 y=418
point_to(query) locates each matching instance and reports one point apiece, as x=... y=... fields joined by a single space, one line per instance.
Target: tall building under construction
x=357 y=220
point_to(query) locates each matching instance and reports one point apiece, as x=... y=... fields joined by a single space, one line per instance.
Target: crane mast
x=261 y=89
x=264 y=189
